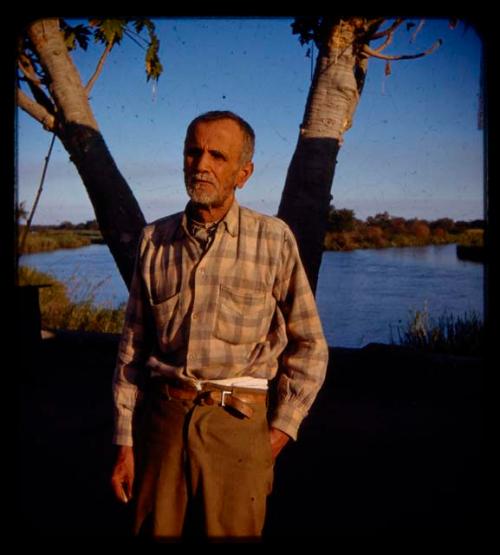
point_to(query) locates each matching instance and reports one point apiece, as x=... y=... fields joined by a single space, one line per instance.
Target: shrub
x=58 y=312
x=458 y=335
x=50 y=240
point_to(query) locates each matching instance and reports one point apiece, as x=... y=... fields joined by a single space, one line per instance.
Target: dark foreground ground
x=392 y=447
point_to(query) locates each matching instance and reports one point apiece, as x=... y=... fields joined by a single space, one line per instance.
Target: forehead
x=224 y=132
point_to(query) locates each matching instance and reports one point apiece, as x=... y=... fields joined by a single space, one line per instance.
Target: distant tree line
x=90 y=225
x=346 y=232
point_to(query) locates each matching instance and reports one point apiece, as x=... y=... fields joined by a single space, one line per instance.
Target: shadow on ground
x=392 y=446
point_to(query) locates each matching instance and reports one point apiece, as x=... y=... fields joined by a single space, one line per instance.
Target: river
x=363 y=295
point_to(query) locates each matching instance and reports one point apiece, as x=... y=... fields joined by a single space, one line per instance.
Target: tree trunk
x=333 y=97
x=117 y=211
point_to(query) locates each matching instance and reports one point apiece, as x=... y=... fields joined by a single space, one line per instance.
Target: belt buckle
x=224 y=392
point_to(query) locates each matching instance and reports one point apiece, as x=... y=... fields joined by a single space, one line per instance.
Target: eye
x=193 y=152
x=217 y=155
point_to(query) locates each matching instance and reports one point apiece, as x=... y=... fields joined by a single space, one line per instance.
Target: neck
x=208 y=214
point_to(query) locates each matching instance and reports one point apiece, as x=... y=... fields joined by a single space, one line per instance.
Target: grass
x=50 y=240
x=59 y=312
x=471 y=238
x=449 y=334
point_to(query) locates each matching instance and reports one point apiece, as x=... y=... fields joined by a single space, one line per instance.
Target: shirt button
x=194 y=316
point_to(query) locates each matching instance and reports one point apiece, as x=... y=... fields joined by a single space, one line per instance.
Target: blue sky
x=414 y=150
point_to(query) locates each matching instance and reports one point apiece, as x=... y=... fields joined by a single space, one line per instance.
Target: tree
x=444 y=223
x=341 y=219
x=382 y=219
x=21 y=212
x=339 y=76
x=420 y=229
x=92 y=225
x=59 y=101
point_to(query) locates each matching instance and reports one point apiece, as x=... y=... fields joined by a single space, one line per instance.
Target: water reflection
x=361 y=294
x=364 y=295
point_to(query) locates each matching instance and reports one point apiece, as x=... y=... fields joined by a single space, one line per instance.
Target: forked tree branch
x=36 y=110
x=27 y=68
x=367 y=51
x=389 y=31
x=386 y=43
x=417 y=30
x=34 y=83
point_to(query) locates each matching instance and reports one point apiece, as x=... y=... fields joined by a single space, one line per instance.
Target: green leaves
x=153 y=65
x=111 y=32
x=74 y=36
x=108 y=31
x=103 y=31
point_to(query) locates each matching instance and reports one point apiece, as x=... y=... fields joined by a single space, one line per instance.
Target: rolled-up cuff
x=123 y=432
x=288 y=418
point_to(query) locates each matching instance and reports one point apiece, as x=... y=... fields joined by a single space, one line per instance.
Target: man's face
x=212 y=163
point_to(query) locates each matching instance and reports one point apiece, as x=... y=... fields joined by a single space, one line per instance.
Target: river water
x=363 y=295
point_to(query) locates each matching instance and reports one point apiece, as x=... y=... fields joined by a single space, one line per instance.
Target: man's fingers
x=125 y=499
x=122 y=490
x=278 y=440
x=127 y=491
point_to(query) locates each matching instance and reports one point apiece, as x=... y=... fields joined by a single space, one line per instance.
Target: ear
x=243 y=174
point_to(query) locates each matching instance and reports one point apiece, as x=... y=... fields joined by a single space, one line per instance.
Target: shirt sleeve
x=133 y=350
x=304 y=362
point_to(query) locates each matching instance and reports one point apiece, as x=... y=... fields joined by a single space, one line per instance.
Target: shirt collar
x=232 y=219
x=230 y=222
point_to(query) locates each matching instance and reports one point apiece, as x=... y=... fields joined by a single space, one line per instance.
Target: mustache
x=201 y=176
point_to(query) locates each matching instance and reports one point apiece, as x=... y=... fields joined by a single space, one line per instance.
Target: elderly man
x=220 y=314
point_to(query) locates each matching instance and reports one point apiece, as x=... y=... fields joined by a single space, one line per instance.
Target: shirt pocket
x=243 y=316
x=166 y=315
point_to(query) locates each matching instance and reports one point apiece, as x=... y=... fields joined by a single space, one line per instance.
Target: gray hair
x=245 y=127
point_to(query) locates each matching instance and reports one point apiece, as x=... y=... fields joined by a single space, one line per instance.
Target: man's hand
x=122 y=477
x=278 y=440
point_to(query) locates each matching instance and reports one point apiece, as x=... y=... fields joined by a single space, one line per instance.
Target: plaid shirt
x=243 y=307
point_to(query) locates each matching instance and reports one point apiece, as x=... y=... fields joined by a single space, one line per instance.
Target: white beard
x=209 y=196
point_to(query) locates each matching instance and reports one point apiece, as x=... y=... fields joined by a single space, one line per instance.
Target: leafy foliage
x=346 y=232
x=111 y=31
x=103 y=31
x=108 y=31
x=153 y=65
x=313 y=28
x=74 y=36
x=341 y=219
x=317 y=28
x=306 y=27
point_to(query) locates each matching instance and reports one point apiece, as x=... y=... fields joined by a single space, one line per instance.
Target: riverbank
x=55 y=239
x=377 y=238
x=369 y=237
x=391 y=446
x=363 y=296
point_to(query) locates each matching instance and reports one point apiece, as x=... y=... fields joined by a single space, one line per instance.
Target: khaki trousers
x=201 y=470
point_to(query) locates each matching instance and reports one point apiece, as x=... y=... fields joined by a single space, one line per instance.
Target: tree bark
x=333 y=98
x=117 y=211
x=35 y=110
